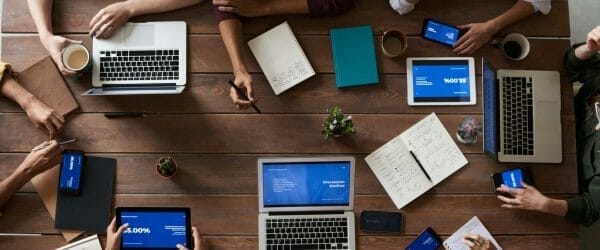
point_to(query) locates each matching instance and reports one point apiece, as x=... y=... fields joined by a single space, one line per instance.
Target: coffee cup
x=393 y=43
x=515 y=46
x=76 y=57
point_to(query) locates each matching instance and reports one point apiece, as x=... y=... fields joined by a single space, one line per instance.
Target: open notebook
x=473 y=226
x=399 y=172
x=281 y=58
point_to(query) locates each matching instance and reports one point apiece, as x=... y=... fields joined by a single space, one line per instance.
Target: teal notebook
x=354 y=59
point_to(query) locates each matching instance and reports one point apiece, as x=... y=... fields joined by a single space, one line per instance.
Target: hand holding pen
x=240 y=99
x=41 y=158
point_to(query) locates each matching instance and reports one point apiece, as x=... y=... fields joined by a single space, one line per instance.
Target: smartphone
x=380 y=221
x=71 y=170
x=512 y=178
x=427 y=240
x=440 y=32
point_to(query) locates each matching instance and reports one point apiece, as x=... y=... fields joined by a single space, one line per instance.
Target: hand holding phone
x=512 y=178
x=71 y=170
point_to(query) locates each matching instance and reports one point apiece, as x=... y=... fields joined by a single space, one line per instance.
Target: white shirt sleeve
x=542 y=6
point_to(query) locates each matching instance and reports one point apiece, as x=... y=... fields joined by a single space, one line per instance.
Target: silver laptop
x=306 y=203
x=141 y=58
x=521 y=113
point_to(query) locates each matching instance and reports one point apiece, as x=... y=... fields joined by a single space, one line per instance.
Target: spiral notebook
x=473 y=226
x=281 y=58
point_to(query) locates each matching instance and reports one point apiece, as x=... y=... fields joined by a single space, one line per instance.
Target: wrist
x=493 y=26
x=25 y=100
x=241 y=70
x=553 y=206
x=25 y=170
x=129 y=8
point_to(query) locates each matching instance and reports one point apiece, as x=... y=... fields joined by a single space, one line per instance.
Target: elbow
x=329 y=7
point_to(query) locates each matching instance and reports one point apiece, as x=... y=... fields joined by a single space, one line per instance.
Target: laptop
x=306 y=203
x=521 y=115
x=154 y=227
x=140 y=58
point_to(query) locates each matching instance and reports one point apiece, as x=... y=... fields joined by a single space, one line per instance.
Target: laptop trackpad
x=140 y=35
x=547 y=117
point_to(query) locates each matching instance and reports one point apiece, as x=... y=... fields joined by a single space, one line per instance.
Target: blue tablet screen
x=152 y=229
x=441 y=81
x=425 y=241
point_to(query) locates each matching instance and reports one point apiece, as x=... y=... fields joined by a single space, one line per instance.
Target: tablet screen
x=154 y=229
x=441 y=81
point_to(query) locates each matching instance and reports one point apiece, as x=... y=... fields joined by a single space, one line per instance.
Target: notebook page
x=281 y=58
x=474 y=226
x=398 y=172
x=434 y=147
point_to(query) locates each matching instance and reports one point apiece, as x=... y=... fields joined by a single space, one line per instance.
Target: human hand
x=113 y=235
x=593 y=40
x=109 y=19
x=243 y=81
x=198 y=241
x=54 y=45
x=527 y=198
x=247 y=8
x=42 y=158
x=43 y=117
x=477 y=242
x=478 y=34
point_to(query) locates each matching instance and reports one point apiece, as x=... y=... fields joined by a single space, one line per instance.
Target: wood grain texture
x=191 y=133
x=74 y=18
x=237 y=214
x=206 y=174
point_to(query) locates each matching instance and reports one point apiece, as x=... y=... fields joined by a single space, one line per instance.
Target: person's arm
x=585 y=209
x=529 y=198
x=113 y=16
x=35 y=163
x=479 y=34
x=43 y=117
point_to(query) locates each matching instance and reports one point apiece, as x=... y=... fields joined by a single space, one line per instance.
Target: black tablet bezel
x=461 y=32
x=188 y=226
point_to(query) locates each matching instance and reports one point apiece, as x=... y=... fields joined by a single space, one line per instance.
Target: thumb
x=465 y=26
x=181 y=247
x=73 y=41
x=122 y=229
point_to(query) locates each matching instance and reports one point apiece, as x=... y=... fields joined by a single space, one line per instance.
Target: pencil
x=241 y=93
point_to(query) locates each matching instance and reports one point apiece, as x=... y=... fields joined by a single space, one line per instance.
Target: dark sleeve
x=325 y=8
x=585 y=209
x=222 y=15
x=576 y=68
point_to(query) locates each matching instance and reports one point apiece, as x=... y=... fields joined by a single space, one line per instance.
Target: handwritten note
x=473 y=226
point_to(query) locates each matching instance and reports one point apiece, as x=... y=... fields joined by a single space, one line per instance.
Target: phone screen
x=513 y=178
x=428 y=240
x=440 y=32
x=70 y=171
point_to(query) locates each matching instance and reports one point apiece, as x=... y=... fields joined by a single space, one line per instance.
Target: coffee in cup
x=515 y=46
x=393 y=43
x=76 y=57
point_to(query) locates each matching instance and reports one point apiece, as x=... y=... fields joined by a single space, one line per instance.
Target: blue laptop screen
x=441 y=81
x=490 y=111
x=311 y=184
x=154 y=229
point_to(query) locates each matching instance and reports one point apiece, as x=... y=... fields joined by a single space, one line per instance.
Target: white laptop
x=306 y=203
x=141 y=58
x=521 y=115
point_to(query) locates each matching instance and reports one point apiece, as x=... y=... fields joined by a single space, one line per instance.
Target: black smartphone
x=512 y=178
x=440 y=32
x=71 y=170
x=380 y=221
x=427 y=240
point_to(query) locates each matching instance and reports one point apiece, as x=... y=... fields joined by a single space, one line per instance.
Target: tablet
x=154 y=228
x=434 y=81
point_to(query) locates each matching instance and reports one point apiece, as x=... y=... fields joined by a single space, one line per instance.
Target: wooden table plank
x=70 y=18
x=237 y=214
x=191 y=133
x=206 y=174
x=207 y=54
x=391 y=242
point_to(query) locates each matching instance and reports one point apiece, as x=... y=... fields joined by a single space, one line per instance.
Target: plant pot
x=472 y=140
x=163 y=176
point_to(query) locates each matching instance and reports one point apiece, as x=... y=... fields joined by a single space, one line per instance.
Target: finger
x=507 y=200
x=249 y=91
x=509 y=206
x=181 y=247
x=38 y=147
x=103 y=29
x=460 y=47
x=469 y=50
x=96 y=29
x=58 y=116
x=465 y=26
x=73 y=41
x=57 y=123
x=96 y=19
x=472 y=236
x=228 y=9
x=122 y=229
x=221 y=2
x=242 y=103
x=468 y=243
x=111 y=226
x=462 y=39
x=110 y=29
x=512 y=191
x=49 y=128
x=50 y=147
x=197 y=239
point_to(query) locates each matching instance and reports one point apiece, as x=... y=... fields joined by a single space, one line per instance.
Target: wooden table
x=217 y=146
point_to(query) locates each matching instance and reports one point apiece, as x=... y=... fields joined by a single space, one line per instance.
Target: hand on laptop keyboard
x=109 y=19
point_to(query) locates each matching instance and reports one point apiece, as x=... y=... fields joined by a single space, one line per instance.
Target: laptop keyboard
x=307 y=233
x=518 y=115
x=139 y=65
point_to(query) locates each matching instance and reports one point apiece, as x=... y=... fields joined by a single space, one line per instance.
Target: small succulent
x=337 y=125
x=166 y=166
x=469 y=129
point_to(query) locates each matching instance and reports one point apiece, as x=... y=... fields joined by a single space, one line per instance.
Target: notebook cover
x=354 y=59
x=89 y=211
x=44 y=81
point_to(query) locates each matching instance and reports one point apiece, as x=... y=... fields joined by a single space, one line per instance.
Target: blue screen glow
x=512 y=178
x=441 y=81
x=306 y=184
x=442 y=33
x=70 y=170
x=154 y=229
x=425 y=241
x=490 y=109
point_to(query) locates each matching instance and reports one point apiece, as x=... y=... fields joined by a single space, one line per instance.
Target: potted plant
x=166 y=167
x=468 y=130
x=336 y=125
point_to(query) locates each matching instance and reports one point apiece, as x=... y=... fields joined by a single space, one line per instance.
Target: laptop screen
x=154 y=229
x=306 y=184
x=490 y=110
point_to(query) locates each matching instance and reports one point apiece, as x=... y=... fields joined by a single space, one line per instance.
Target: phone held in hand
x=380 y=221
x=512 y=178
x=427 y=240
x=71 y=170
x=439 y=32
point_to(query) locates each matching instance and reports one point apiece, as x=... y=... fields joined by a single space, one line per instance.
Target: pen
x=111 y=115
x=421 y=166
x=67 y=142
x=43 y=146
x=239 y=91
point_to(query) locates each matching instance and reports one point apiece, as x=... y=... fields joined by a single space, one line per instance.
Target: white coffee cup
x=515 y=46
x=76 y=57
